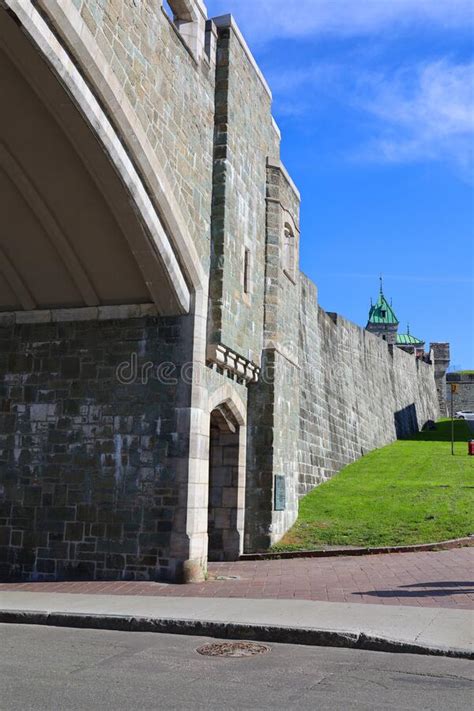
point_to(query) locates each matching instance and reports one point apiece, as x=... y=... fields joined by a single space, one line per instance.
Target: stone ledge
x=232 y=362
x=87 y=313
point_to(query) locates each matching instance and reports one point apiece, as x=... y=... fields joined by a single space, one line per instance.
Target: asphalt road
x=68 y=669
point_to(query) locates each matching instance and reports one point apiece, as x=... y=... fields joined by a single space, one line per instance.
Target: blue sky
x=375 y=102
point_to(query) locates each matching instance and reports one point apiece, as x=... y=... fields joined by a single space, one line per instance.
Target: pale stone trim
x=233 y=362
x=51 y=228
x=276 y=127
x=91 y=313
x=33 y=23
x=192 y=542
x=72 y=28
x=190 y=20
x=226 y=395
x=276 y=163
x=227 y=21
x=187 y=8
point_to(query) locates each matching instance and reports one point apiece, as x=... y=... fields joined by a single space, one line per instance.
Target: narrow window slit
x=247 y=271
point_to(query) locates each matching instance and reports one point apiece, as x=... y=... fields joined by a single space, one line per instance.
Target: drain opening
x=232 y=649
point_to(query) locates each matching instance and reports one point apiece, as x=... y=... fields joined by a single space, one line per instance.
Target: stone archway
x=226 y=499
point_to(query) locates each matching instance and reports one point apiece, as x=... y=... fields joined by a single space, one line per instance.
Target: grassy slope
x=412 y=491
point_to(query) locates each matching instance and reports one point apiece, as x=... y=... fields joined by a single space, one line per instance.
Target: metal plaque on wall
x=280 y=493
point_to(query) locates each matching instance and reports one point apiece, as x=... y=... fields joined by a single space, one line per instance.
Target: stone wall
x=440 y=353
x=91 y=464
x=274 y=401
x=357 y=392
x=171 y=93
x=244 y=137
x=463 y=399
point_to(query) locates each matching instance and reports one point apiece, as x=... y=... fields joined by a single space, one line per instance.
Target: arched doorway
x=226 y=485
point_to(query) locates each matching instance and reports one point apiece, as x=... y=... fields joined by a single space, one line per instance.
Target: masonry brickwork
x=358 y=392
x=133 y=443
x=463 y=398
x=91 y=484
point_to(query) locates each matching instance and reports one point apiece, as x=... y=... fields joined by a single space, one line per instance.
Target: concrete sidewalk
x=393 y=628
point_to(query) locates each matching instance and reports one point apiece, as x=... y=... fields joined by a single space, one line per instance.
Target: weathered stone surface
x=463 y=398
x=358 y=393
x=89 y=476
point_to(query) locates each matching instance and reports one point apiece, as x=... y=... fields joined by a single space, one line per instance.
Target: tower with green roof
x=382 y=320
x=409 y=343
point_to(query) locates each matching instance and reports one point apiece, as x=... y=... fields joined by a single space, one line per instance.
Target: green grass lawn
x=412 y=491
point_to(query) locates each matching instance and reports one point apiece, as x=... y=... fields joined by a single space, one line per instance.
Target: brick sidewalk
x=428 y=579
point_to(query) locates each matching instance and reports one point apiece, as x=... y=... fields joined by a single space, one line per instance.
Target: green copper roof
x=382 y=312
x=406 y=339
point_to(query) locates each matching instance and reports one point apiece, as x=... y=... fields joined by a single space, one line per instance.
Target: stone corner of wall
x=277 y=164
x=228 y=22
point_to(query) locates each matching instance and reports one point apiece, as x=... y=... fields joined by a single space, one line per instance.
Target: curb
x=440 y=546
x=228 y=630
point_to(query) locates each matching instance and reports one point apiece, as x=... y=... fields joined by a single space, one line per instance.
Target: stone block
x=74 y=531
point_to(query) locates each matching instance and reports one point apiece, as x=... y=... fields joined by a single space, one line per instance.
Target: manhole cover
x=232 y=649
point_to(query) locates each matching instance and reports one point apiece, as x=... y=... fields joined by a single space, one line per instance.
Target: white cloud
x=263 y=20
x=418 y=112
x=424 y=112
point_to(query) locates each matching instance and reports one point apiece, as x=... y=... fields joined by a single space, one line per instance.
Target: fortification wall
x=357 y=393
x=463 y=399
x=244 y=136
x=93 y=460
x=272 y=467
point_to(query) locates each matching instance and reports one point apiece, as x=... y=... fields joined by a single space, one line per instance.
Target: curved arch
x=226 y=395
x=226 y=474
x=152 y=244
x=67 y=20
